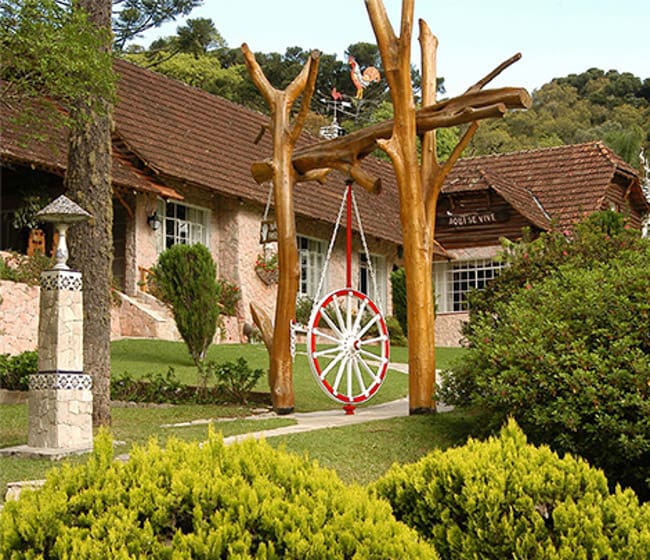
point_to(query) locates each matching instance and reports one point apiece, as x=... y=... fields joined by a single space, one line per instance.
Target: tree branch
x=487 y=79
x=436 y=186
x=428 y=48
x=259 y=79
x=350 y=149
x=306 y=82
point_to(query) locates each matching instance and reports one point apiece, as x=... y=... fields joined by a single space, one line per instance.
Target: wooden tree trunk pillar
x=419 y=184
x=283 y=174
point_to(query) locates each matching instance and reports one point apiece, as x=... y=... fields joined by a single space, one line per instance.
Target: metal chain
x=371 y=269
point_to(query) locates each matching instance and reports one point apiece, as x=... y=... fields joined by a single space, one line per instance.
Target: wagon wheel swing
x=347 y=338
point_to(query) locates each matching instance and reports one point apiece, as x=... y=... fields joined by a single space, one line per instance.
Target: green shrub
x=398 y=283
x=235 y=379
x=152 y=387
x=15 y=370
x=19 y=268
x=569 y=359
x=304 y=305
x=202 y=501
x=503 y=498
x=395 y=331
x=185 y=277
x=598 y=238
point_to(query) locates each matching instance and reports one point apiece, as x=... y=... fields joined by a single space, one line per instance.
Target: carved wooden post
x=284 y=175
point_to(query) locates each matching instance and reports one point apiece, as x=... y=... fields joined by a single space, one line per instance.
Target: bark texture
x=285 y=134
x=88 y=182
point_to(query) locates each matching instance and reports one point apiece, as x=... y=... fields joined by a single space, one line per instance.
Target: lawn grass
x=359 y=453
x=139 y=357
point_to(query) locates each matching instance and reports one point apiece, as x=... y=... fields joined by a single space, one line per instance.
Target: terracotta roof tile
x=48 y=151
x=186 y=133
x=567 y=181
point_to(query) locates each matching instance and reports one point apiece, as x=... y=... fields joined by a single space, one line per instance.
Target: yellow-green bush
x=202 y=501
x=504 y=498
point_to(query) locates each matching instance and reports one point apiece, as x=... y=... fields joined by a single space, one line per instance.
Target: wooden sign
x=476 y=218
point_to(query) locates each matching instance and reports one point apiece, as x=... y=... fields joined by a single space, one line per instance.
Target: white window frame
x=364 y=283
x=183 y=223
x=311 y=257
x=454 y=280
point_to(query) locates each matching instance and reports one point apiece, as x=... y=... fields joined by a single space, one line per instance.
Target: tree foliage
x=47 y=50
x=133 y=17
x=594 y=105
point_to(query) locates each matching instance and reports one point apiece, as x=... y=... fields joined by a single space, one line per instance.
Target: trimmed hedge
x=202 y=501
x=504 y=498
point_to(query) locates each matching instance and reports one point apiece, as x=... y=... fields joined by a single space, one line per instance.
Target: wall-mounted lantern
x=154 y=221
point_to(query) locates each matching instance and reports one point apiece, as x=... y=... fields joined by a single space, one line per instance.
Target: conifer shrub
x=188 y=500
x=504 y=498
x=569 y=359
x=185 y=278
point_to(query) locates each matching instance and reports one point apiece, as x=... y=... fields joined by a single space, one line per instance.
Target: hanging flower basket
x=266 y=267
x=267 y=276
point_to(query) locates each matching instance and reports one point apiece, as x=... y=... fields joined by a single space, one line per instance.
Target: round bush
x=569 y=359
x=504 y=498
x=202 y=501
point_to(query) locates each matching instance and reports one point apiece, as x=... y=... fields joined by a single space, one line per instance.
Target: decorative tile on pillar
x=61 y=280
x=60 y=381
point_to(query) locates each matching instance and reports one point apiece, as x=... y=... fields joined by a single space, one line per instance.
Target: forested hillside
x=594 y=105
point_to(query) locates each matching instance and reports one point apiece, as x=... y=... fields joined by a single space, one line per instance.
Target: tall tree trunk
x=88 y=182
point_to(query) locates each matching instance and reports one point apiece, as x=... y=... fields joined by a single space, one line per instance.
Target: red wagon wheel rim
x=348 y=346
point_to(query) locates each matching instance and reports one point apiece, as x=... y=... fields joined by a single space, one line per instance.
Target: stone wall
x=448 y=328
x=19 y=305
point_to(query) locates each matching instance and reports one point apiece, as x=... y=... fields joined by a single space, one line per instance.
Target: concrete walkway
x=322 y=419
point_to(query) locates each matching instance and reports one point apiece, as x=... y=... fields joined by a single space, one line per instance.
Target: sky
x=555 y=37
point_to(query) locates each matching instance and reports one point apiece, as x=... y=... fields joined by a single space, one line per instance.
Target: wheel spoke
x=368 y=369
x=331 y=365
x=348 y=312
x=339 y=315
x=339 y=373
x=369 y=324
x=331 y=324
x=327 y=336
x=372 y=357
x=357 y=371
x=328 y=351
x=360 y=313
x=381 y=338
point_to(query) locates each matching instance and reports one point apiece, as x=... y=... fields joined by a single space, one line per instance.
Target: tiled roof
x=562 y=183
x=185 y=133
x=47 y=149
x=186 y=136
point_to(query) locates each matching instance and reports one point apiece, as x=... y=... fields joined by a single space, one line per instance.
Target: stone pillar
x=60 y=398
